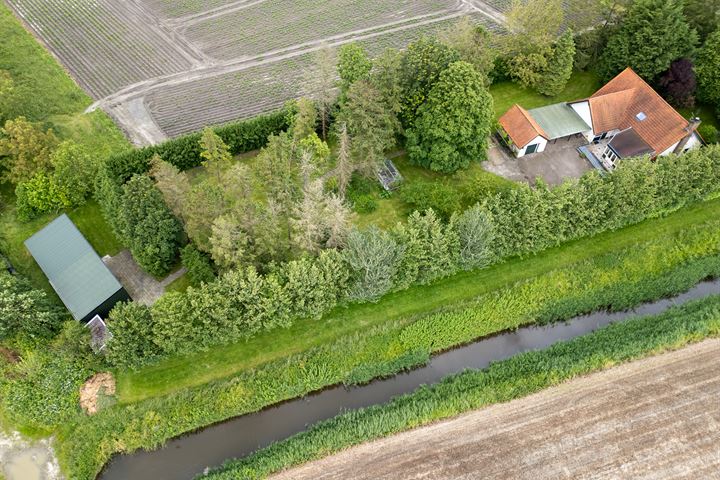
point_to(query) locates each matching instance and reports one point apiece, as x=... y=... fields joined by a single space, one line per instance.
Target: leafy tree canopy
x=454 y=124
x=652 y=35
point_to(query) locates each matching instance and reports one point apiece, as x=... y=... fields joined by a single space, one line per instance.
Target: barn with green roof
x=76 y=272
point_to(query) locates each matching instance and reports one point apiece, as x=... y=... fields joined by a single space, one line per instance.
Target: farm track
x=163 y=68
x=657 y=418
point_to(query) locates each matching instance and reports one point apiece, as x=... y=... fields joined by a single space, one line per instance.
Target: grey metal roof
x=629 y=144
x=559 y=120
x=75 y=271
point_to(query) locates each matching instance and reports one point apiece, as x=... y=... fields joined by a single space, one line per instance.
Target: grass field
x=177 y=373
x=44 y=92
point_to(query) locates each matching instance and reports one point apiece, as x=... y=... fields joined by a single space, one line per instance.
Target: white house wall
x=694 y=142
x=583 y=109
x=542 y=143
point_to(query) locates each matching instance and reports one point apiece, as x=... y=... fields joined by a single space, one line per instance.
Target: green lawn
x=177 y=373
x=44 y=92
x=705 y=112
x=507 y=94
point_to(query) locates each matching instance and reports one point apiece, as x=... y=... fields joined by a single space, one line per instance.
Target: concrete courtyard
x=558 y=162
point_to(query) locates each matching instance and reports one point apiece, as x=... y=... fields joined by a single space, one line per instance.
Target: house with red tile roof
x=626 y=116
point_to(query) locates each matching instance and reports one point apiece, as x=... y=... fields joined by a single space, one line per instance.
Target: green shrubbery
x=647 y=271
x=26 y=312
x=513 y=222
x=517 y=377
x=198 y=265
x=145 y=224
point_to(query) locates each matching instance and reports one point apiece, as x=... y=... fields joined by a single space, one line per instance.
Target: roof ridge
x=536 y=126
x=654 y=92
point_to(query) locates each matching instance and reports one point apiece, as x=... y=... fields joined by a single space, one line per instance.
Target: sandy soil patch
x=99 y=384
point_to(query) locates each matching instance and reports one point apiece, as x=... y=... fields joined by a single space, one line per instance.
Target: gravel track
x=657 y=418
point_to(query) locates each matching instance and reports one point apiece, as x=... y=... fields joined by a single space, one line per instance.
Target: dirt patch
x=23 y=460
x=8 y=355
x=99 y=384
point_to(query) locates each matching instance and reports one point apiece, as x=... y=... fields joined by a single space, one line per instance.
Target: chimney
x=693 y=125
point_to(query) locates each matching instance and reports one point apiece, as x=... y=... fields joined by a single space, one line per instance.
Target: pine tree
x=215 y=153
x=370 y=125
x=174 y=184
x=652 y=35
x=560 y=66
x=321 y=80
x=707 y=68
x=344 y=167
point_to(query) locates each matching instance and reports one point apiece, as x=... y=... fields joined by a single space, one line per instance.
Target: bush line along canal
x=189 y=455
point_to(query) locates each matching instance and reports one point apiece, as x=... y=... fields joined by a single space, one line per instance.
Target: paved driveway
x=558 y=162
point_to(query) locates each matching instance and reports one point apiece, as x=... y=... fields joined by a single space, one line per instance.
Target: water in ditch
x=189 y=455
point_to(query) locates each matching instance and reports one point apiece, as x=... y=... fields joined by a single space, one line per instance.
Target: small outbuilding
x=76 y=272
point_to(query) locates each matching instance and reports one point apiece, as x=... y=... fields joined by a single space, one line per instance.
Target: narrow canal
x=189 y=455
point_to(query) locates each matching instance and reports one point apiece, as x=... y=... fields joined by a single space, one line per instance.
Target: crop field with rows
x=257 y=89
x=162 y=68
x=105 y=44
x=277 y=24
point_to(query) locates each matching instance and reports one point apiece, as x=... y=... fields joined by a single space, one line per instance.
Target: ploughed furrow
x=181 y=8
x=191 y=106
x=278 y=24
x=104 y=44
x=259 y=89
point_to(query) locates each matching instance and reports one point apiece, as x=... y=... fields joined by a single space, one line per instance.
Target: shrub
x=709 y=133
x=441 y=197
x=25 y=311
x=431 y=249
x=41 y=194
x=364 y=204
x=374 y=258
x=147 y=226
x=198 y=265
x=132 y=343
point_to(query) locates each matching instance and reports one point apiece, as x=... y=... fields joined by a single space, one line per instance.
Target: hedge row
x=516 y=377
x=648 y=271
x=184 y=152
x=518 y=221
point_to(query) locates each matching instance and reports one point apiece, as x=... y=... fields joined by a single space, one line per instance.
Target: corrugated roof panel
x=559 y=120
x=75 y=271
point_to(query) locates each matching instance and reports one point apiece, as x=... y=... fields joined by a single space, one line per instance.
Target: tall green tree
x=321 y=82
x=147 y=226
x=385 y=77
x=707 y=68
x=370 y=125
x=305 y=119
x=652 y=34
x=25 y=311
x=473 y=43
x=421 y=66
x=353 y=65
x=74 y=169
x=704 y=16
x=25 y=149
x=215 y=154
x=454 y=125
x=559 y=67
x=533 y=27
x=374 y=257
x=174 y=184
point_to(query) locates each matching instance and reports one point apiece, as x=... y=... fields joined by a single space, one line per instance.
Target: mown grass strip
x=181 y=372
x=503 y=381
